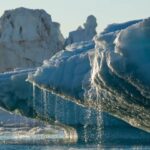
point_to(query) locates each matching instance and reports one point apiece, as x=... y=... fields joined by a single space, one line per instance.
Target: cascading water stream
x=33 y=101
x=99 y=119
x=45 y=104
x=56 y=109
x=100 y=123
x=87 y=122
x=93 y=95
x=33 y=97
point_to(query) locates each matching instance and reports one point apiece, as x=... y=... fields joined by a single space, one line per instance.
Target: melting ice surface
x=106 y=76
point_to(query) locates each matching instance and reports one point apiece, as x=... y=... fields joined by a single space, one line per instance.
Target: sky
x=72 y=13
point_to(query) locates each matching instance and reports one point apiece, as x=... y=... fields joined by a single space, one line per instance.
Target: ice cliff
x=85 y=33
x=27 y=37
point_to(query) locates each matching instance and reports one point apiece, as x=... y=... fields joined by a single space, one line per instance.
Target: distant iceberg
x=27 y=37
x=85 y=33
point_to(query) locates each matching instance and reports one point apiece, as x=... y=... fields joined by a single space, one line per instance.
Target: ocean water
x=20 y=133
x=71 y=147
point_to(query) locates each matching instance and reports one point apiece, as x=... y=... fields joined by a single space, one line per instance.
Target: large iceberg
x=108 y=74
x=27 y=37
x=95 y=83
x=115 y=79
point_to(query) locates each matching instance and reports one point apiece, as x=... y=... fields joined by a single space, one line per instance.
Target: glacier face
x=27 y=37
x=117 y=77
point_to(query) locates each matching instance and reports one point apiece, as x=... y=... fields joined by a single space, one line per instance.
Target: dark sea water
x=71 y=147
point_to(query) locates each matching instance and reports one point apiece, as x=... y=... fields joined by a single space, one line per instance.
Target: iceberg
x=99 y=83
x=27 y=37
x=115 y=77
x=108 y=75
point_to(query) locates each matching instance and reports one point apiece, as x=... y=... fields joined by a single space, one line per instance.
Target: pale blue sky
x=72 y=13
